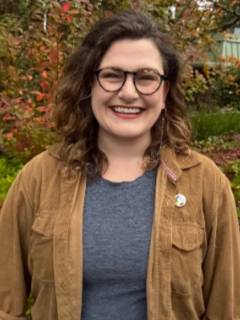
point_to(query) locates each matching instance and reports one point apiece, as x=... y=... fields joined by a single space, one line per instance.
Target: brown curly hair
x=72 y=112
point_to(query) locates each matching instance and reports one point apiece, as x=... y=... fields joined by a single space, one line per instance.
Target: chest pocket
x=187 y=257
x=41 y=252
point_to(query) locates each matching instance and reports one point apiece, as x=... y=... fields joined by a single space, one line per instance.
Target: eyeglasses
x=146 y=81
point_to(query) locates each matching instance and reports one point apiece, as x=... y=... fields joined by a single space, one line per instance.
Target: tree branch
x=227 y=10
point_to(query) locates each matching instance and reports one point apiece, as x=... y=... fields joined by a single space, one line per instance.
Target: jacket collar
x=173 y=164
x=54 y=150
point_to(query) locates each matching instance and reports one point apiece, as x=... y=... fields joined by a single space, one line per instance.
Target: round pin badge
x=180 y=200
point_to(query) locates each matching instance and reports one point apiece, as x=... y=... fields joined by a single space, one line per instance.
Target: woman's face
x=127 y=113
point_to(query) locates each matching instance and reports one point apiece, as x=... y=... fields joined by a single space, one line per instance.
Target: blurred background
x=36 y=36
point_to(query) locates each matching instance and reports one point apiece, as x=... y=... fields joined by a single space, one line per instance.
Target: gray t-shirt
x=117 y=231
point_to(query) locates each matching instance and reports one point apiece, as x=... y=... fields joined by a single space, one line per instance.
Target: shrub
x=225 y=83
x=32 y=62
x=214 y=85
x=8 y=171
x=232 y=169
x=195 y=85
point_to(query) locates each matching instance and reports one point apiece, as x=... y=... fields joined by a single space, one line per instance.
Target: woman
x=121 y=220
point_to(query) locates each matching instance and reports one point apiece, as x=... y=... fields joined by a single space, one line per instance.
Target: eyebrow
x=135 y=70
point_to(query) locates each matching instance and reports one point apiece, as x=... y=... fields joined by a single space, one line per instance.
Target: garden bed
x=225 y=152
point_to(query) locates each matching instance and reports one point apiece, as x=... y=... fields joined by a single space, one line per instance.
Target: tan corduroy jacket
x=194 y=258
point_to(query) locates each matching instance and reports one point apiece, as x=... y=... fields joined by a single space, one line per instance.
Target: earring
x=163 y=121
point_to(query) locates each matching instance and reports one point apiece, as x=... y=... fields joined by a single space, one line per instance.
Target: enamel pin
x=180 y=200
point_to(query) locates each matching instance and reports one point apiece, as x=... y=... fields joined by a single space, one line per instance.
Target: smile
x=127 y=110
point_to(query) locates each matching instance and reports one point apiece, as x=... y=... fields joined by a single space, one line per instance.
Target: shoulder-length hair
x=73 y=114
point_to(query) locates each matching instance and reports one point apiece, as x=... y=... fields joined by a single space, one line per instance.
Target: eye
x=147 y=76
x=111 y=75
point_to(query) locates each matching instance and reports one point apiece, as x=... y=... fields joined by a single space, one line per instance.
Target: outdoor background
x=36 y=36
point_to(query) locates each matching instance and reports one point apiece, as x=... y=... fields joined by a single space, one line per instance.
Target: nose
x=128 y=90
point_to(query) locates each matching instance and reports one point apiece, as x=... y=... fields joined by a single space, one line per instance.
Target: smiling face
x=128 y=114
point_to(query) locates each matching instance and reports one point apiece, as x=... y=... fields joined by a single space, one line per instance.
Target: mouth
x=127 y=110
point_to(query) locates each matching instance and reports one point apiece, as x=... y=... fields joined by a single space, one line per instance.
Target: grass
x=207 y=124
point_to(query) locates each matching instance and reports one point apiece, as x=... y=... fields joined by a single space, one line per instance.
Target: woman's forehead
x=132 y=55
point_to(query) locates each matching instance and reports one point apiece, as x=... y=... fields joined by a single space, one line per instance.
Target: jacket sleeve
x=15 y=225
x=222 y=261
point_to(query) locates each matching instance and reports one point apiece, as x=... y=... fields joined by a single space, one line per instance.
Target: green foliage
x=195 y=85
x=213 y=85
x=113 y=6
x=207 y=124
x=28 y=142
x=30 y=303
x=232 y=169
x=231 y=17
x=13 y=7
x=225 y=151
x=8 y=171
x=216 y=143
x=225 y=83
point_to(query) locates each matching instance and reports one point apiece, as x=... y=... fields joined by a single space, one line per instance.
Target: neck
x=123 y=148
x=125 y=156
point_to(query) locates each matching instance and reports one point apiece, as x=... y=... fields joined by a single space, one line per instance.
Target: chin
x=128 y=134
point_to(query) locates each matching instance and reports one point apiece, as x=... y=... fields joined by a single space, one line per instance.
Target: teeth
x=126 y=110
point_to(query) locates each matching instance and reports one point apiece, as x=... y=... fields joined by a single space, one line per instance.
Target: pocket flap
x=188 y=237
x=44 y=224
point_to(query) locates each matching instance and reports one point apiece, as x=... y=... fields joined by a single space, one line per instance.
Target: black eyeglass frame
x=134 y=73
